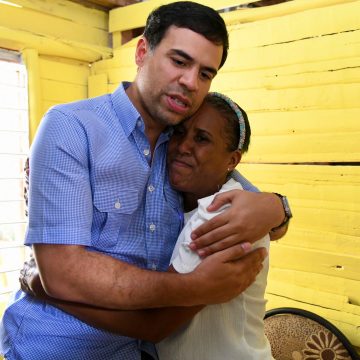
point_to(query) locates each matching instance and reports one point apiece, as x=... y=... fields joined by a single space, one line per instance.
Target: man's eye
x=206 y=76
x=178 y=62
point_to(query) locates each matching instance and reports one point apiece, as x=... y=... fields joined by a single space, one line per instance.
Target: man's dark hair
x=190 y=15
x=232 y=127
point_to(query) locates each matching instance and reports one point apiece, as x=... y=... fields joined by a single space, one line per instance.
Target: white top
x=233 y=330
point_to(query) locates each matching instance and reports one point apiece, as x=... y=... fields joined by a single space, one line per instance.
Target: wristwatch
x=287 y=211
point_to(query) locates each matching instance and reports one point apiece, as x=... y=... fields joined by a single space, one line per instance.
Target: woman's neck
x=190 y=201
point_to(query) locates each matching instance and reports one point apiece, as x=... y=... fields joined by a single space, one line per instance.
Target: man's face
x=174 y=78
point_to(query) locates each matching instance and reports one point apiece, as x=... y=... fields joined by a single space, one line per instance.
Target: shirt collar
x=124 y=108
x=128 y=114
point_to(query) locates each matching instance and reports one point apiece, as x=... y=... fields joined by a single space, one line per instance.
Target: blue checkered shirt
x=92 y=184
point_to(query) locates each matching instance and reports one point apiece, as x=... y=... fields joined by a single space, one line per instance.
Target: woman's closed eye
x=202 y=138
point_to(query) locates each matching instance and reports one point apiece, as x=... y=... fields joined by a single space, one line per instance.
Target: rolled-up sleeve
x=60 y=199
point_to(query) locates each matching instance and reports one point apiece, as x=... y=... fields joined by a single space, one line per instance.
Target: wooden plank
x=327 y=299
x=315 y=261
x=98 y=85
x=35 y=91
x=333 y=96
x=317 y=282
x=324 y=200
x=328 y=147
x=134 y=16
x=283 y=24
x=324 y=48
x=41 y=24
x=304 y=122
x=19 y=40
x=68 y=10
x=324 y=72
x=62 y=92
x=63 y=70
x=121 y=74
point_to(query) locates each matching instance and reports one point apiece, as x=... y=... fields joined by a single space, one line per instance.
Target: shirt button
x=138 y=123
x=117 y=205
x=153 y=266
x=151 y=188
x=152 y=227
x=146 y=152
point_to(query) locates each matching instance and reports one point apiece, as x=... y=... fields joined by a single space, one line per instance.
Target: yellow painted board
x=35 y=91
x=98 y=85
x=327 y=299
x=42 y=24
x=120 y=74
x=318 y=282
x=62 y=70
x=307 y=122
x=335 y=46
x=125 y=56
x=306 y=236
x=48 y=104
x=134 y=16
x=318 y=183
x=46 y=45
x=333 y=96
x=352 y=332
x=328 y=147
x=312 y=175
x=62 y=92
x=104 y=65
x=340 y=71
x=320 y=21
x=315 y=261
x=112 y=87
x=68 y=10
x=325 y=201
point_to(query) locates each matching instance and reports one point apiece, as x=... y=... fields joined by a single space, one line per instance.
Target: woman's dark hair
x=190 y=15
x=232 y=127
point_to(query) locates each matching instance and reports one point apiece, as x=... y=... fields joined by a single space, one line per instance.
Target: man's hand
x=227 y=273
x=250 y=217
x=30 y=280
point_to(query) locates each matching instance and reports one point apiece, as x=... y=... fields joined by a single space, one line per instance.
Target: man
x=102 y=215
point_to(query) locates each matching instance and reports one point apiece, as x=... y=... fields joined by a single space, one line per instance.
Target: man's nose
x=190 y=79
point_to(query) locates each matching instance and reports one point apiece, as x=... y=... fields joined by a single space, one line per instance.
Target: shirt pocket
x=114 y=210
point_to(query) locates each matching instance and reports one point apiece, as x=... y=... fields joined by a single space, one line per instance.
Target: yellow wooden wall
x=59 y=40
x=295 y=68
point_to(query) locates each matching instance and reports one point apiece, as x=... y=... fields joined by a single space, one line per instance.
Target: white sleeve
x=183 y=259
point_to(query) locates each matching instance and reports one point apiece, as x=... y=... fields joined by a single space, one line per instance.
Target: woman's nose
x=185 y=145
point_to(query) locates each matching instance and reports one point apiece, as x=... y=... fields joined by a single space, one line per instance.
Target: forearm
x=152 y=324
x=149 y=324
x=72 y=273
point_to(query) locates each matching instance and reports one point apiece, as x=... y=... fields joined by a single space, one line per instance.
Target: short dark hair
x=190 y=15
x=232 y=127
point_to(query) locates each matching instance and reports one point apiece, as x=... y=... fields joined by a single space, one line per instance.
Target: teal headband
x=238 y=113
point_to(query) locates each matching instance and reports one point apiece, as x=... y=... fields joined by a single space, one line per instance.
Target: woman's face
x=198 y=159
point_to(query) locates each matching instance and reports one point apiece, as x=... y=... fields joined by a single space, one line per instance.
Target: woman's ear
x=235 y=158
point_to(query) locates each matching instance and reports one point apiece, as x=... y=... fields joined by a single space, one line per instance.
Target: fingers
x=222 y=199
x=211 y=225
x=233 y=253
x=227 y=242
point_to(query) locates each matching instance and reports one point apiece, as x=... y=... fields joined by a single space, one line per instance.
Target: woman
x=202 y=153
